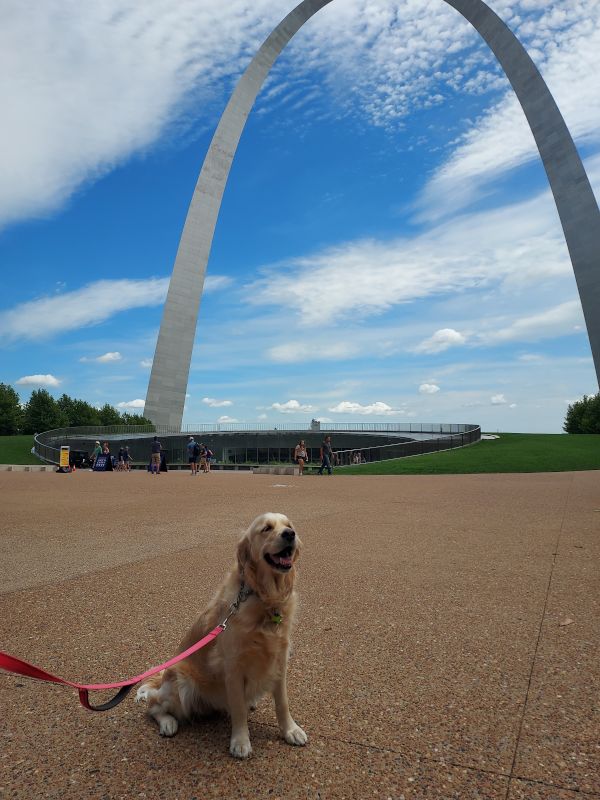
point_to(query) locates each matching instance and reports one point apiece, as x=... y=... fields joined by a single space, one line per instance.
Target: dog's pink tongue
x=285 y=560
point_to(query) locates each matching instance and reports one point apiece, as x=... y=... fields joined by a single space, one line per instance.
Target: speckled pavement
x=447 y=644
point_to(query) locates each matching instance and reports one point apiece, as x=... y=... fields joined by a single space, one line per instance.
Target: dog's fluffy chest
x=258 y=644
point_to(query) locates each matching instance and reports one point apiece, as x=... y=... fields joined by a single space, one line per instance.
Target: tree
x=44 y=413
x=85 y=414
x=134 y=419
x=109 y=415
x=65 y=405
x=76 y=413
x=11 y=413
x=583 y=416
x=591 y=416
x=41 y=413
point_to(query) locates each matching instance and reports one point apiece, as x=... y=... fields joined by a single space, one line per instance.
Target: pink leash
x=18 y=666
x=15 y=665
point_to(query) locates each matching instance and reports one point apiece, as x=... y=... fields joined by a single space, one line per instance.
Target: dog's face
x=268 y=552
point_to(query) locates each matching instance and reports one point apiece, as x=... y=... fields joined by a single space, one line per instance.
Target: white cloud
x=507 y=275
x=144 y=65
x=89 y=305
x=429 y=388
x=84 y=87
x=440 y=341
x=107 y=358
x=147 y=65
x=378 y=409
x=38 y=380
x=560 y=320
x=368 y=277
x=132 y=404
x=210 y=401
x=92 y=304
x=295 y=352
x=146 y=363
x=290 y=407
x=215 y=283
x=498 y=400
x=225 y=418
x=501 y=139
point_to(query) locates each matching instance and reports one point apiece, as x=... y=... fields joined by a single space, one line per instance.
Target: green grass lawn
x=512 y=452
x=15 y=450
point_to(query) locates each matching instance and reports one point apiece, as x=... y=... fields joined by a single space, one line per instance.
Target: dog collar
x=275 y=615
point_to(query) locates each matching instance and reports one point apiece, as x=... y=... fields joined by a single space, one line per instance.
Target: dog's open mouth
x=281 y=560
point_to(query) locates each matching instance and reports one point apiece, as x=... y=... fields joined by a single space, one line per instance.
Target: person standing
x=300 y=455
x=193 y=449
x=209 y=458
x=127 y=459
x=326 y=456
x=155 y=456
x=97 y=452
x=203 y=457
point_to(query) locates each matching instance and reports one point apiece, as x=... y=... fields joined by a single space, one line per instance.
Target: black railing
x=236 y=443
x=366 y=455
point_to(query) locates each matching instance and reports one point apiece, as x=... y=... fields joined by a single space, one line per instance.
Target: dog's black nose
x=289 y=535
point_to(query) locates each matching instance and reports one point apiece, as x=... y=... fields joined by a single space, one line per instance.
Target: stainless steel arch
x=573 y=195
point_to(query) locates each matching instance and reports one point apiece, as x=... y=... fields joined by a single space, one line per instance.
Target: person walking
x=155 y=456
x=326 y=456
x=127 y=460
x=300 y=455
x=193 y=449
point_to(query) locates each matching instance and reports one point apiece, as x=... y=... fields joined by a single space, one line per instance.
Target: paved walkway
x=447 y=642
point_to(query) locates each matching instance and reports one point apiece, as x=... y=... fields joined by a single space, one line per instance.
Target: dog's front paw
x=167 y=725
x=240 y=747
x=295 y=735
x=142 y=694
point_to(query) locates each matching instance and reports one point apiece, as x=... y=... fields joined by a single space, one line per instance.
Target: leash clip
x=243 y=595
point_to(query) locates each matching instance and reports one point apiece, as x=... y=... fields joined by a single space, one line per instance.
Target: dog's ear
x=243 y=554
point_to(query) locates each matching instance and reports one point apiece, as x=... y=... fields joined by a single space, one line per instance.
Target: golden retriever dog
x=249 y=658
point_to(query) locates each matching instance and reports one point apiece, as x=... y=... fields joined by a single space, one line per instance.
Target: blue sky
x=387 y=249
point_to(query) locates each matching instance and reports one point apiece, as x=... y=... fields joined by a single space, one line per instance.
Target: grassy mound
x=512 y=452
x=15 y=450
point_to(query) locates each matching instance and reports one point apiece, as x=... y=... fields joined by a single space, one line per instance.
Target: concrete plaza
x=446 y=646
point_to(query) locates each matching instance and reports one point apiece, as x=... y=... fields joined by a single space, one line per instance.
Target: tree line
x=43 y=413
x=583 y=416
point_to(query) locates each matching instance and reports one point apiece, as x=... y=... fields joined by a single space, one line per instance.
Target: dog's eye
x=267 y=527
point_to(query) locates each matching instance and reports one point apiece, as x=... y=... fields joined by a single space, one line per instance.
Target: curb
x=27 y=467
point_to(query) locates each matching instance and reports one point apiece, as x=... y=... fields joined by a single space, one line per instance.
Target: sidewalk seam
x=537 y=644
x=414 y=754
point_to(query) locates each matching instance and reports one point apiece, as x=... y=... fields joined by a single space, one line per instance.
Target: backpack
x=196 y=449
x=209 y=453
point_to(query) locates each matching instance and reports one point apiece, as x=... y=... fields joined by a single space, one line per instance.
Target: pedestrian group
x=198 y=453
